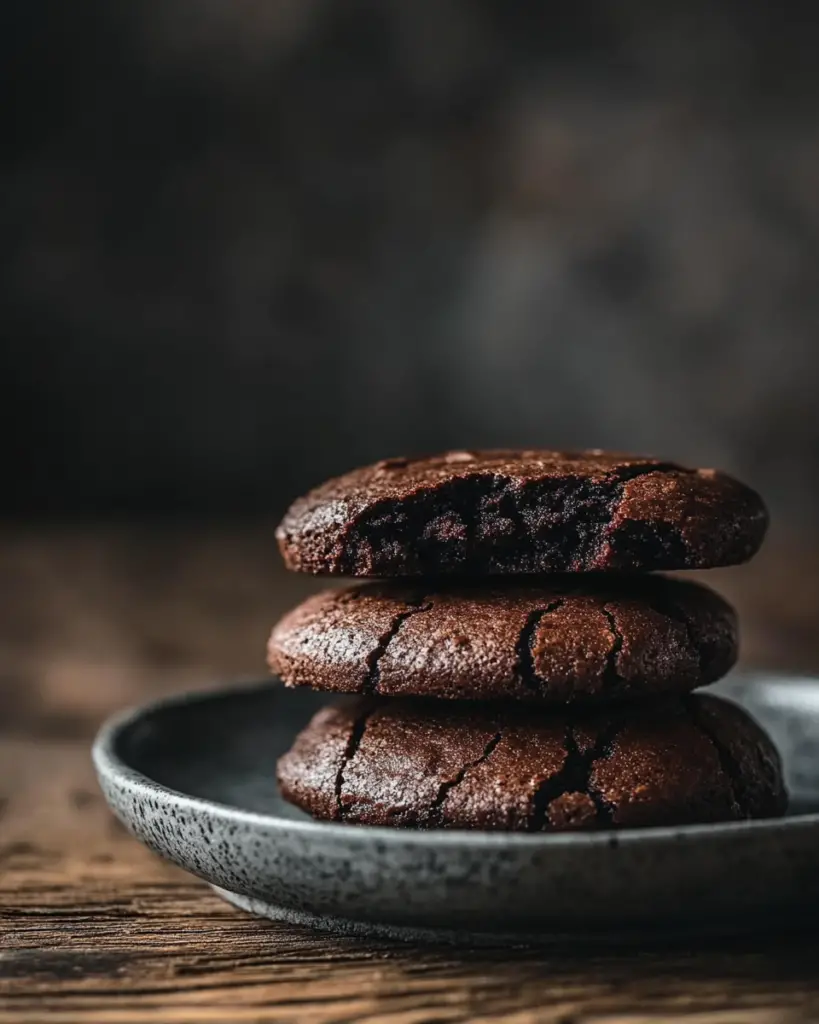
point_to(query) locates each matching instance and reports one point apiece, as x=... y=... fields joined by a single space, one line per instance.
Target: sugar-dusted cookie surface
x=429 y=764
x=563 y=639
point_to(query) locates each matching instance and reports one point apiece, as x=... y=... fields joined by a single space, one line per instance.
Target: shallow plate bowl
x=193 y=777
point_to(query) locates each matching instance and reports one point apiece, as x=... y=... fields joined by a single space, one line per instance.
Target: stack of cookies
x=517 y=667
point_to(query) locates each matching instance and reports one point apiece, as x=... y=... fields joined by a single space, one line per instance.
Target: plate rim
x=112 y=768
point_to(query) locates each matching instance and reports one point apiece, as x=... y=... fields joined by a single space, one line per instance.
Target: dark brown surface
x=94 y=928
x=503 y=512
x=425 y=764
x=561 y=640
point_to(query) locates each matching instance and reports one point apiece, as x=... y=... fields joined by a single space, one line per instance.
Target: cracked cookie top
x=405 y=763
x=502 y=512
x=564 y=639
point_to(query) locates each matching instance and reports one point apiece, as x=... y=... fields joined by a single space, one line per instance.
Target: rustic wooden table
x=94 y=928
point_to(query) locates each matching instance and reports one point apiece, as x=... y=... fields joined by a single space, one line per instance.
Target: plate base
x=609 y=940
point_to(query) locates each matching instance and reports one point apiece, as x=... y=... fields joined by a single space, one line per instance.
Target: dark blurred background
x=251 y=243
x=248 y=244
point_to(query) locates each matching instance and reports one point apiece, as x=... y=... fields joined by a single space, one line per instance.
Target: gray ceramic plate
x=194 y=778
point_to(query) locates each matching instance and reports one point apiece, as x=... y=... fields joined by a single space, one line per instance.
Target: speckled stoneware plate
x=193 y=777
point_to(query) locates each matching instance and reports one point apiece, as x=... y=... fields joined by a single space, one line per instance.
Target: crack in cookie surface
x=434 y=812
x=574 y=781
x=350 y=750
x=416 y=607
x=525 y=661
x=611 y=673
x=728 y=763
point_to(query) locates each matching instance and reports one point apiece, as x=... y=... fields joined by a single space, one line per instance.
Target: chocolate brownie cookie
x=563 y=639
x=421 y=764
x=501 y=512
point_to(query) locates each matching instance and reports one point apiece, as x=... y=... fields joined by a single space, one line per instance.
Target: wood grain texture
x=94 y=928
